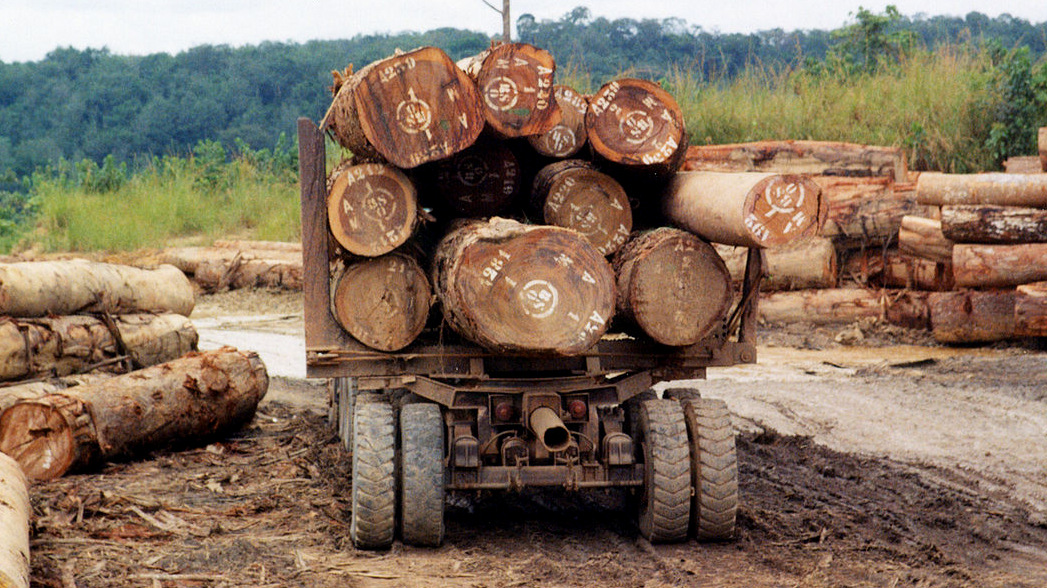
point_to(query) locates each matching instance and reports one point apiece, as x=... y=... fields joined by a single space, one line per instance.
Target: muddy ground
x=868 y=457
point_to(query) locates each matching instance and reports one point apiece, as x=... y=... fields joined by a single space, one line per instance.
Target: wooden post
x=991 y=188
x=524 y=288
x=745 y=209
x=999 y=266
x=672 y=285
x=15 y=511
x=994 y=224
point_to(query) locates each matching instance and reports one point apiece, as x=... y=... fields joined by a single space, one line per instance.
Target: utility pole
x=506 y=33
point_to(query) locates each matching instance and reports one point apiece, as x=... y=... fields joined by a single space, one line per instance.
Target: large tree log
x=672 y=285
x=1000 y=189
x=808 y=263
x=40 y=288
x=70 y=344
x=15 y=510
x=922 y=237
x=516 y=288
x=515 y=81
x=188 y=259
x=1023 y=165
x=637 y=124
x=190 y=400
x=892 y=269
x=1030 y=310
x=994 y=224
x=248 y=245
x=998 y=266
x=567 y=137
x=14 y=392
x=862 y=212
x=800 y=157
x=574 y=195
x=483 y=180
x=909 y=309
x=383 y=302
x=744 y=209
x=409 y=109
x=371 y=208
x=972 y=316
x=827 y=306
x=247 y=272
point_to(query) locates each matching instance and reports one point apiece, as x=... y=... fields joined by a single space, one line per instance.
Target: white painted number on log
x=501 y=93
x=539 y=299
x=414 y=115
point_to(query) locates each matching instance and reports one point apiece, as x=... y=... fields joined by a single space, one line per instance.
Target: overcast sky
x=29 y=29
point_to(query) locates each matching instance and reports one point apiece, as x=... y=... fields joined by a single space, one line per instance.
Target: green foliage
x=1021 y=105
x=872 y=42
x=17 y=210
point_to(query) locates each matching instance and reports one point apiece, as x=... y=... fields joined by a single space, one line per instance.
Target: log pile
x=233 y=264
x=567 y=217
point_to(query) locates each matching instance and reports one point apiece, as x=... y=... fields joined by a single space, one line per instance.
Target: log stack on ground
x=240 y=264
x=186 y=401
x=15 y=512
x=822 y=158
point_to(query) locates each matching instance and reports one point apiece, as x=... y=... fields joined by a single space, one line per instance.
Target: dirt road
x=870 y=465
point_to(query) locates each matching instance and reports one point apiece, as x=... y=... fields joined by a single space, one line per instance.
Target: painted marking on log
x=414 y=115
x=636 y=126
x=393 y=70
x=472 y=170
x=539 y=299
x=560 y=140
x=501 y=93
x=584 y=220
x=663 y=152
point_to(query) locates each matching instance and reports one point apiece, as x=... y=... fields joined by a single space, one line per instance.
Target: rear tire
x=714 y=469
x=665 y=505
x=373 y=518
x=422 y=474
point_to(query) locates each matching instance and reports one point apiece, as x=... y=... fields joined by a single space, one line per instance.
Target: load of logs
x=963 y=255
x=98 y=361
x=534 y=218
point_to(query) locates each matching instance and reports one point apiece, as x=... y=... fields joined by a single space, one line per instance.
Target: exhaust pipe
x=549 y=429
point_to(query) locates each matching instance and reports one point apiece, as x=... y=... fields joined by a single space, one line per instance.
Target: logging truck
x=470 y=418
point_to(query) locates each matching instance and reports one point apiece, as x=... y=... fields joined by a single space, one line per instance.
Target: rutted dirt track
x=859 y=466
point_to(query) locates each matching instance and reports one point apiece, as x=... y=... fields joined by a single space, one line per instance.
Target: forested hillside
x=77 y=104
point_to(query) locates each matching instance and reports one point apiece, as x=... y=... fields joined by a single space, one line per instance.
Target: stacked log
x=189 y=400
x=566 y=138
x=822 y=158
x=15 y=510
x=1042 y=140
x=231 y=264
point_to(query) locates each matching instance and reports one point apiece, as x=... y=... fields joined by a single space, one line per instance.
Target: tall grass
x=171 y=199
x=935 y=105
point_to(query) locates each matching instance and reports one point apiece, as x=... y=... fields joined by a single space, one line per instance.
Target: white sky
x=29 y=29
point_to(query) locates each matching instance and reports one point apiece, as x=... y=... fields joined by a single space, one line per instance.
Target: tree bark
x=894 y=269
x=994 y=224
x=247 y=272
x=990 y=188
x=371 y=208
x=186 y=401
x=1042 y=139
x=800 y=157
x=1023 y=165
x=528 y=289
x=999 y=266
x=566 y=138
x=863 y=212
x=15 y=512
x=15 y=392
x=972 y=316
x=808 y=263
x=41 y=288
x=909 y=309
x=515 y=82
x=71 y=344
x=573 y=195
x=382 y=302
x=826 y=306
x=923 y=237
x=252 y=246
x=408 y=109
x=637 y=124
x=672 y=285
x=744 y=209
x=483 y=180
x=189 y=259
x=1030 y=310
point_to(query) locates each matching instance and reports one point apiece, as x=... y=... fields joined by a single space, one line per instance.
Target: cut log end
x=566 y=138
x=481 y=181
x=515 y=81
x=637 y=123
x=592 y=203
x=382 y=302
x=372 y=209
x=39 y=437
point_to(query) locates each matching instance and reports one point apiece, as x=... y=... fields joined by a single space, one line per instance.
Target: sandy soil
x=868 y=457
